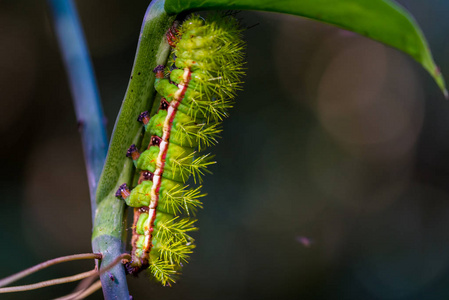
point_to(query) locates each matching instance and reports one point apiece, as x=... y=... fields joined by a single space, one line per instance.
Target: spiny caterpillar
x=200 y=87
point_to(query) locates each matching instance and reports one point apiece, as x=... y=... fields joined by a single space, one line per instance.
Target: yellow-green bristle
x=197 y=167
x=176 y=230
x=163 y=271
x=203 y=134
x=175 y=252
x=182 y=200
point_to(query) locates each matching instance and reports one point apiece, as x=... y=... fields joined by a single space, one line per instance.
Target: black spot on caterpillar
x=202 y=79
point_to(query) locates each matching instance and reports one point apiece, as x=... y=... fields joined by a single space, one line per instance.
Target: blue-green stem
x=90 y=118
x=83 y=86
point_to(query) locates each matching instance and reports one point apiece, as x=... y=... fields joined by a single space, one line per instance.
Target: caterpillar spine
x=197 y=91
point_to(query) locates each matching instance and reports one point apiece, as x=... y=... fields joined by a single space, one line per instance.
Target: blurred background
x=331 y=175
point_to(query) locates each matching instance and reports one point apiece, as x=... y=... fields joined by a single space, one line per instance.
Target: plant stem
x=83 y=293
x=83 y=86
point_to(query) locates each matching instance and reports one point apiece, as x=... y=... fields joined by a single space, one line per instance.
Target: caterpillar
x=196 y=90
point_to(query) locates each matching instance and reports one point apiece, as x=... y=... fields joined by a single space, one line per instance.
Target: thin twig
x=118 y=259
x=46 y=283
x=89 y=274
x=90 y=290
x=47 y=264
x=82 y=293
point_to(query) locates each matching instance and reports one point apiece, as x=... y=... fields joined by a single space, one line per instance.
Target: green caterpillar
x=206 y=72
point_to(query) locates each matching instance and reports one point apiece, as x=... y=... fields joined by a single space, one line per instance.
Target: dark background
x=332 y=172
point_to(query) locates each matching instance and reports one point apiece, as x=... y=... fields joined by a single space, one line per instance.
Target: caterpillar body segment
x=197 y=89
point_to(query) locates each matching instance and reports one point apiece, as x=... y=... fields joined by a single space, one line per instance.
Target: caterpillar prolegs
x=196 y=91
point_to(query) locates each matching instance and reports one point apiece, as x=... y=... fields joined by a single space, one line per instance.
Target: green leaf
x=381 y=20
x=109 y=224
x=152 y=50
